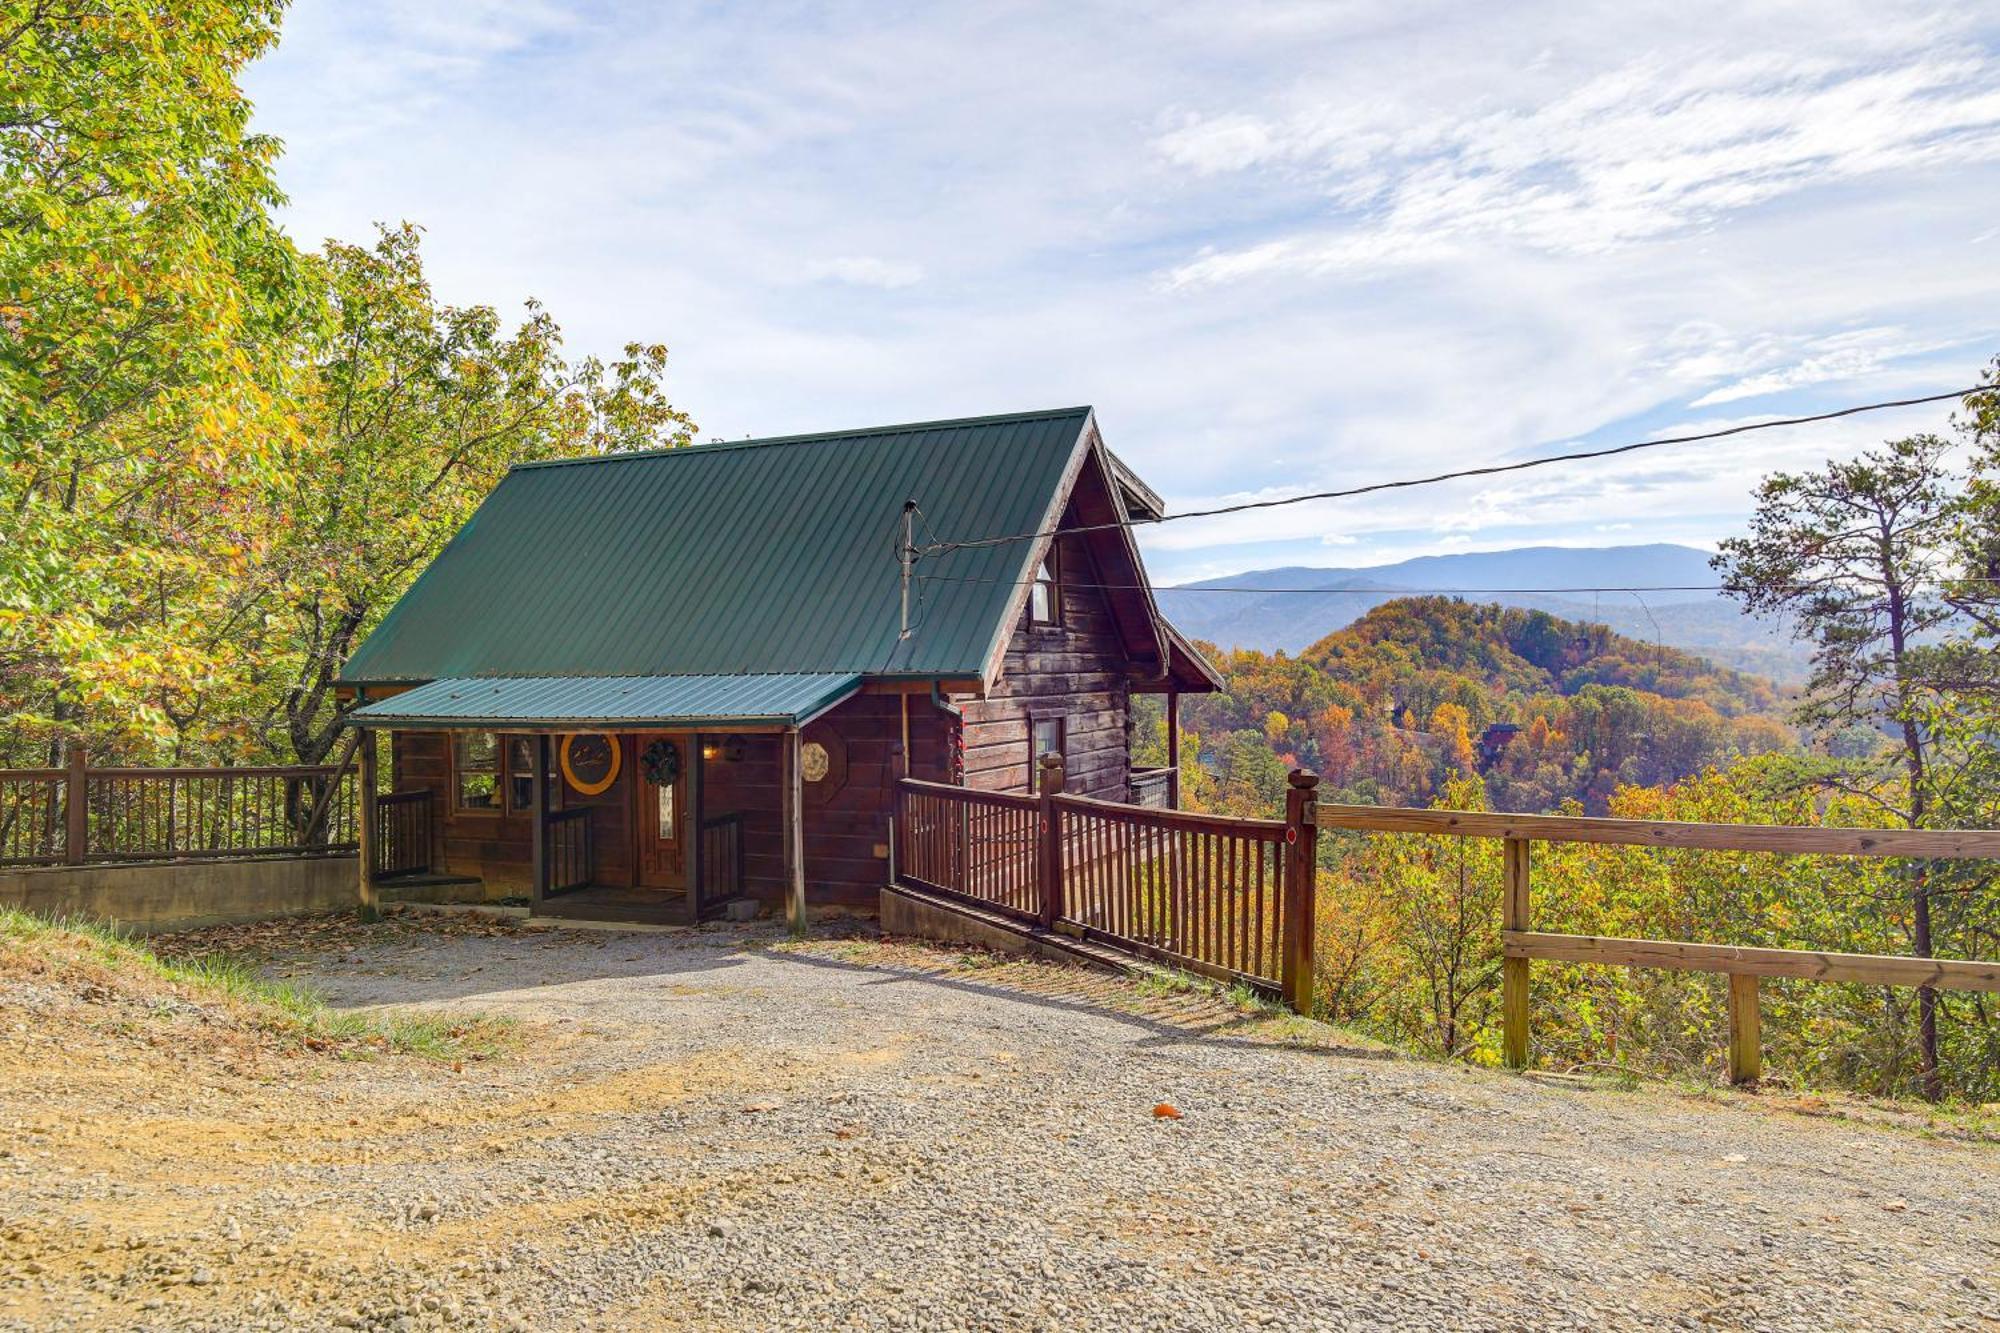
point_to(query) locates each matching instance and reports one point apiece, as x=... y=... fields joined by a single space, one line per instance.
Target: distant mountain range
x=1272 y=615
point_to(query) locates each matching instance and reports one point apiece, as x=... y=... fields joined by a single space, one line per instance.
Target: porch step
x=641 y=907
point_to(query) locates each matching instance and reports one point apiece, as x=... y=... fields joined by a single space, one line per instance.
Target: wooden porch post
x=538 y=876
x=1301 y=885
x=697 y=861
x=795 y=836
x=1049 y=859
x=367 y=831
x=76 y=811
x=1173 y=749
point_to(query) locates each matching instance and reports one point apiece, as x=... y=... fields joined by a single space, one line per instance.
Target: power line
x=940 y=548
x=1379 y=589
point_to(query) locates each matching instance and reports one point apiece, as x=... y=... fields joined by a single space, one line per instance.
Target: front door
x=660 y=785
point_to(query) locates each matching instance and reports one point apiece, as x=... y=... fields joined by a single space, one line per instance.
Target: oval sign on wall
x=590 y=762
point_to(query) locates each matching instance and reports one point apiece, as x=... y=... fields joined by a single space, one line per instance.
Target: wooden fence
x=721 y=857
x=1521 y=944
x=1231 y=899
x=78 y=814
x=571 y=858
x=1152 y=787
x=405 y=831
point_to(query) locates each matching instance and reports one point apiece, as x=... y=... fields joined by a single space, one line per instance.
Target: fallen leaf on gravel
x=1166 y=1111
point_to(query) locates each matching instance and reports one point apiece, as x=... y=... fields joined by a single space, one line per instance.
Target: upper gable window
x=1045 y=594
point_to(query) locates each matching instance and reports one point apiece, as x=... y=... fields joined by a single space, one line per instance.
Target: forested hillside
x=1425 y=690
x=1293 y=608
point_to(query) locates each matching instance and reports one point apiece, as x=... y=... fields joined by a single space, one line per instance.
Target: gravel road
x=718 y=1130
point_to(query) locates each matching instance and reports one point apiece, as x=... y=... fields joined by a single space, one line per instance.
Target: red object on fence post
x=1049 y=829
x=1301 y=876
x=76 y=807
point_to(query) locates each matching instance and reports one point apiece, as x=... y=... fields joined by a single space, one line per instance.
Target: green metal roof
x=750 y=557
x=500 y=702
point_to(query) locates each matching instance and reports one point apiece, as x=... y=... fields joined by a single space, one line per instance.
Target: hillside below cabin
x=638 y=686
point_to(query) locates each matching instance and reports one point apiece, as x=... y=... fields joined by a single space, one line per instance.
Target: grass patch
x=1158 y=982
x=282 y=1008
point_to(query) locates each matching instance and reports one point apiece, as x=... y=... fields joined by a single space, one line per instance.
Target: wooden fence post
x=1514 y=971
x=1746 y=1040
x=1049 y=860
x=1301 y=886
x=368 y=831
x=76 y=806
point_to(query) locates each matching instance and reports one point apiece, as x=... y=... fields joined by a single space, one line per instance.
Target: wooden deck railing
x=722 y=857
x=1521 y=945
x=974 y=844
x=1151 y=787
x=404 y=833
x=1228 y=898
x=571 y=863
x=78 y=814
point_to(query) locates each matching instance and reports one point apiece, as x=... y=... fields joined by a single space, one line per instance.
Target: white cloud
x=1282 y=245
x=1651 y=148
x=868 y=271
x=1838 y=357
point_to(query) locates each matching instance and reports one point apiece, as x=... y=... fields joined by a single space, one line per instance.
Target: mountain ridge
x=1529 y=577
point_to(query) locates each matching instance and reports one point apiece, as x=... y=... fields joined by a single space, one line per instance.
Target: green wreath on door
x=661 y=763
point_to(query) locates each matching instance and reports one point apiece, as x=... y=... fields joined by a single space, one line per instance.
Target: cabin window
x=663 y=811
x=1044 y=595
x=520 y=762
x=475 y=762
x=1046 y=737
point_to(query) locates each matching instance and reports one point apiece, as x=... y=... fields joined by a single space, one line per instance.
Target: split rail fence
x=1231 y=899
x=1521 y=944
x=77 y=814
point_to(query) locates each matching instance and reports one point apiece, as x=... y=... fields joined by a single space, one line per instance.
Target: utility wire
x=940 y=548
x=1377 y=589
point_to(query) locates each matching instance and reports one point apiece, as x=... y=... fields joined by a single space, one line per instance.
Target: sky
x=1280 y=247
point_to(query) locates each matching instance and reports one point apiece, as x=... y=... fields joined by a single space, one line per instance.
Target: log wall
x=1075 y=670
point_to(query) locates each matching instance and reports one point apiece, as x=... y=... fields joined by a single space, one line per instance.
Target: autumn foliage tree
x=221 y=459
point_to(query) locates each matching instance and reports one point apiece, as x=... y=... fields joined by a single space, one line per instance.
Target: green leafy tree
x=141 y=284
x=417 y=410
x=1853 y=557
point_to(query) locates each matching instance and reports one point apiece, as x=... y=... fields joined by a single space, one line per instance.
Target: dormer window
x=1044 y=595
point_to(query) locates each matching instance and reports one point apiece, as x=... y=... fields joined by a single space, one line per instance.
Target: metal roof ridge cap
x=814 y=437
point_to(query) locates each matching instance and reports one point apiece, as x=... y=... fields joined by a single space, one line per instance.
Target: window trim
x=508 y=775
x=1035 y=719
x=1052 y=563
x=503 y=778
x=499 y=771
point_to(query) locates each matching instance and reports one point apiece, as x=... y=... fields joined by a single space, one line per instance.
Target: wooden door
x=660 y=789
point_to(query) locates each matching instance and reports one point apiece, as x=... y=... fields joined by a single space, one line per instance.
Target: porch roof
x=503 y=703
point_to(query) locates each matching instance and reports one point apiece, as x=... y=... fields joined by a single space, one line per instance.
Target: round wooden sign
x=813 y=762
x=590 y=762
x=822 y=765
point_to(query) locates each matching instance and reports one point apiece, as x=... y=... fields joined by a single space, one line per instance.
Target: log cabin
x=639 y=686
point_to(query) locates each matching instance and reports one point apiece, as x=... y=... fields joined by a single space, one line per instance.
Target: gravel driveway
x=719 y=1130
